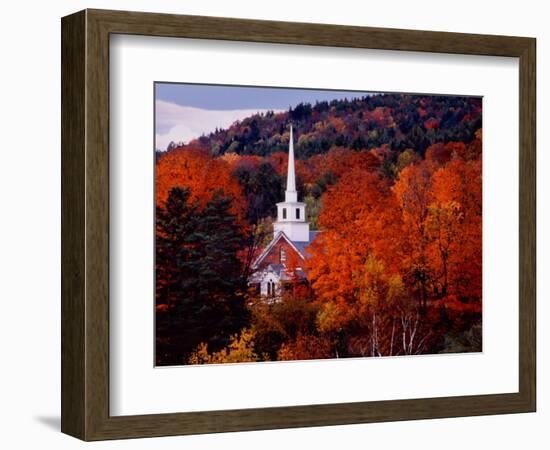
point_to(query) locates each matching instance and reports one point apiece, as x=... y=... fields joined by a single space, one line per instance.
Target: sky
x=186 y=111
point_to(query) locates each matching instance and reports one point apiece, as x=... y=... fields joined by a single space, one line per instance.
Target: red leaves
x=431 y=124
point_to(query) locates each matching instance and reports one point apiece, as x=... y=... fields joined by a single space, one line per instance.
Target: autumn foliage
x=393 y=259
x=195 y=169
x=396 y=269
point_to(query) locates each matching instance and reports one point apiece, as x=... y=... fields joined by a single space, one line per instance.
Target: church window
x=282 y=255
x=297 y=213
x=269 y=288
x=284 y=213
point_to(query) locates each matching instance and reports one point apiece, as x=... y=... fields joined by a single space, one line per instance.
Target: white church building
x=291 y=237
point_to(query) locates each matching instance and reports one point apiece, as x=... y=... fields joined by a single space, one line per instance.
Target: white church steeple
x=290 y=194
x=291 y=214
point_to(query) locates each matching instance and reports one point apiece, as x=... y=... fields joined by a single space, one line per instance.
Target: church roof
x=302 y=246
x=299 y=246
x=276 y=238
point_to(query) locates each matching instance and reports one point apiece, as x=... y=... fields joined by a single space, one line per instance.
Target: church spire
x=291 y=214
x=290 y=194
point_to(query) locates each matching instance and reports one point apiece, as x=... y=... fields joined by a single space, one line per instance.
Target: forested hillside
x=397 y=121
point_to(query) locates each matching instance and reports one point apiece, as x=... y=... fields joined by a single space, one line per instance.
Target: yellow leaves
x=396 y=289
x=413 y=190
x=331 y=317
x=371 y=283
x=444 y=217
x=240 y=349
x=374 y=268
x=200 y=355
x=406 y=158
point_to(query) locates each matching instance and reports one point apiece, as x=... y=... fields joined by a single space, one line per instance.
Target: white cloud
x=183 y=123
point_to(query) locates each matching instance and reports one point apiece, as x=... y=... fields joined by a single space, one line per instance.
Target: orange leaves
x=459 y=185
x=357 y=220
x=305 y=347
x=460 y=181
x=196 y=169
x=413 y=193
x=340 y=160
x=424 y=230
x=381 y=115
x=441 y=209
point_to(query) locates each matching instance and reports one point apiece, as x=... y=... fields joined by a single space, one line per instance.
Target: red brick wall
x=273 y=257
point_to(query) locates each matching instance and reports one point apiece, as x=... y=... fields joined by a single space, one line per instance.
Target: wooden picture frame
x=85 y=224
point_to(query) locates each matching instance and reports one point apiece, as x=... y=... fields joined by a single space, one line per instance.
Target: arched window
x=273 y=288
x=269 y=288
x=284 y=213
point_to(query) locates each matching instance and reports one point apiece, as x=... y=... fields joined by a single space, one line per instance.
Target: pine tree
x=199 y=276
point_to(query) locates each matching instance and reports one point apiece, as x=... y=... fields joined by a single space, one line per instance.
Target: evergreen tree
x=199 y=276
x=263 y=188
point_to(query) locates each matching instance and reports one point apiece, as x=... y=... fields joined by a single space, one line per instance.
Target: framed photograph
x=272 y=225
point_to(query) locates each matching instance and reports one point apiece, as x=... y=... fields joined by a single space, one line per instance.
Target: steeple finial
x=290 y=194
